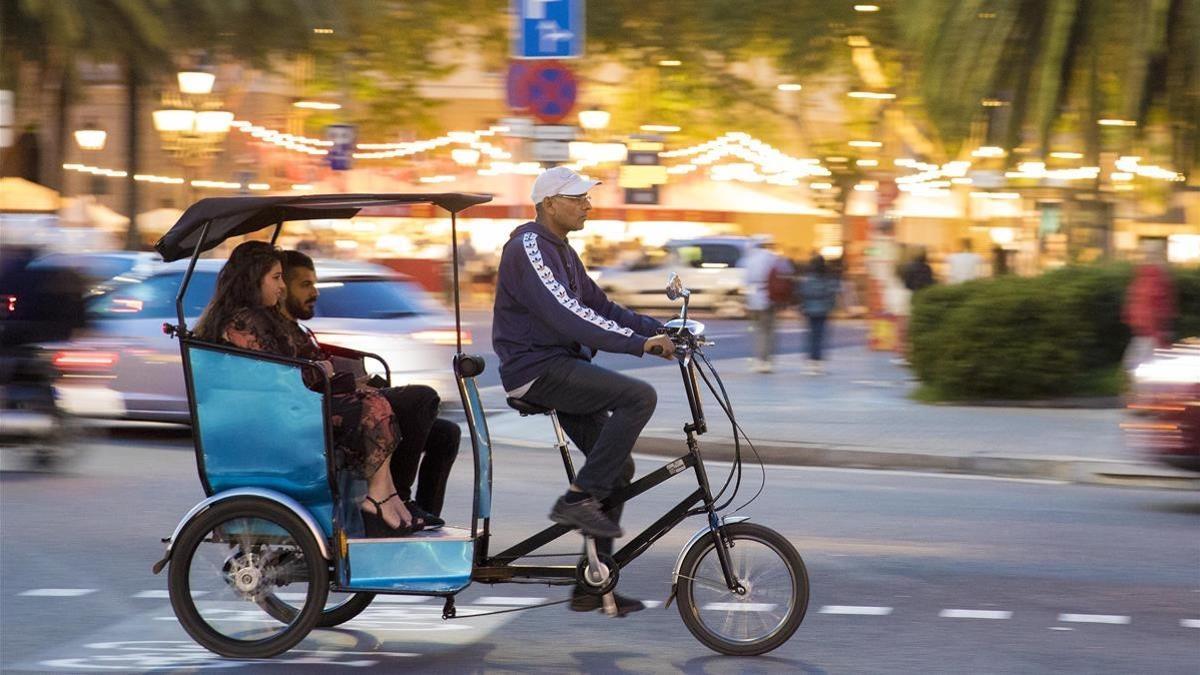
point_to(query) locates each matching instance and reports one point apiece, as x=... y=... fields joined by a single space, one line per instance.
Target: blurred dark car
x=104 y=270
x=1165 y=403
x=124 y=367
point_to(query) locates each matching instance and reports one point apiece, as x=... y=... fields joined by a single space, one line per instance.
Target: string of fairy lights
x=733 y=156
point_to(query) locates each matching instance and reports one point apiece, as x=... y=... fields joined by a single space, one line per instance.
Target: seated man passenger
x=428 y=445
x=550 y=319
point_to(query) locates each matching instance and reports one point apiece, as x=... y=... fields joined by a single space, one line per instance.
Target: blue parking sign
x=340 y=155
x=548 y=29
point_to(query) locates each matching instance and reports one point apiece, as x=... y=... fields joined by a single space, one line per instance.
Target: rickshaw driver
x=549 y=320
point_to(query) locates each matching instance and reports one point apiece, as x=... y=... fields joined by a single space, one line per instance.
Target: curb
x=1068 y=469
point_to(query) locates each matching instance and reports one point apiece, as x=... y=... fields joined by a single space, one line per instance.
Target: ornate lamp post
x=191 y=124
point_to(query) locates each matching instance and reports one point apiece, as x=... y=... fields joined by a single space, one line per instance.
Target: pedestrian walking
x=964 y=265
x=818 y=295
x=771 y=283
x=917 y=274
x=1150 y=308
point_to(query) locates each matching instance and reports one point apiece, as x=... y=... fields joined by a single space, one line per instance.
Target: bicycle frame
x=499 y=568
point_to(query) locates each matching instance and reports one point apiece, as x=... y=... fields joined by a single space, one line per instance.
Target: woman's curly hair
x=239 y=287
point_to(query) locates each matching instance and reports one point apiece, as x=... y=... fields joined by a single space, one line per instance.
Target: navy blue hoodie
x=548 y=308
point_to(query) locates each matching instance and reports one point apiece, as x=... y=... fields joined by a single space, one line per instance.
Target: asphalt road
x=909 y=573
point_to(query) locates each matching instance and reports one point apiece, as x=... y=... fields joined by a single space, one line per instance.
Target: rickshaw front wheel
x=232 y=556
x=771 y=600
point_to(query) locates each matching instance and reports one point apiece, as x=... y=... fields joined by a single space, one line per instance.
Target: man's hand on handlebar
x=660 y=345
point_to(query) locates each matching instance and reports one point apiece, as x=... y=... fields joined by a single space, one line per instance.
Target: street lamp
x=191 y=123
x=91 y=137
x=594 y=119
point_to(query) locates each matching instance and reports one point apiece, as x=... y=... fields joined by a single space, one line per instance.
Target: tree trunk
x=133 y=78
x=62 y=133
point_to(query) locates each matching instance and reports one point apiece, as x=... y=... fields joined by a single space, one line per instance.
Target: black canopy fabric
x=234 y=216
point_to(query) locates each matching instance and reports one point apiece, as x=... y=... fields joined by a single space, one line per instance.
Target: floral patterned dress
x=364 y=429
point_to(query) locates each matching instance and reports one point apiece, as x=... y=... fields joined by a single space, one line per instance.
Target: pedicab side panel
x=259 y=426
x=482 y=444
x=427 y=562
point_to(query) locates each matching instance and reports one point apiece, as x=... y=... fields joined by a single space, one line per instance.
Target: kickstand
x=448 y=611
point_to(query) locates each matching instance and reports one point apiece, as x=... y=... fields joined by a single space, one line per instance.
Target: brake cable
x=723 y=400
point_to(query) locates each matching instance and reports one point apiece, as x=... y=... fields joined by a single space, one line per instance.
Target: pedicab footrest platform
x=433 y=561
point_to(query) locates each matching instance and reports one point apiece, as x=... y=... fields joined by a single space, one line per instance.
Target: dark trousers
x=816 y=337
x=428 y=446
x=603 y=412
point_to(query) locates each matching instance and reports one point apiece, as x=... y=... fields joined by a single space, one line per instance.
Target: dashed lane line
x=1190 y=623
x=739 y=606
x=856 y=610
x=1114 y=619
x=974 y=614
x=58 y=592
x=500 y=600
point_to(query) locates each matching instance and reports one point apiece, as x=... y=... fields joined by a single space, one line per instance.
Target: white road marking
x=58 y=592
x=164 y=594
x=1093 y=618
x=853 y=609
x=402 y=599
x=1060 y=628
x=974 y=614
x=652 y=604
x=740 y=606
x=1190 y=623
x=502 y=600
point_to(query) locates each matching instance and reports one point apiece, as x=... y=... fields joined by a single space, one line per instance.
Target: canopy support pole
x=187 y=277
x=457 y=307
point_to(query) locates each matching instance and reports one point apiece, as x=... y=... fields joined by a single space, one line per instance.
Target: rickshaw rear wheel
x=771 y=604
x=251 y=547
x=334 y=614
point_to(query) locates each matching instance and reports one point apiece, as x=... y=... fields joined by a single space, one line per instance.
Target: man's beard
x=301 y=312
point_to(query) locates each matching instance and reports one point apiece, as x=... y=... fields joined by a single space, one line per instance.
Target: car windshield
x=708 y=255
x=370 y=298
x=154 y=298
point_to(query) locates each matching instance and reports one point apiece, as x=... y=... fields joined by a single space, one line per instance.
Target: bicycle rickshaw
x=277 y=548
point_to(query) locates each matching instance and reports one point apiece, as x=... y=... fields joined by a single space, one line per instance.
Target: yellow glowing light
x=989 y=151
x=992 y=103
x=1067 y=155
x=858 y=41
x=670 y=63
x=789 y=86
x=874 y=95
x=866 y=8
x=317 y=105
x=660 y=128
x=865 y=144
x=867 y=162
x=1116 y=123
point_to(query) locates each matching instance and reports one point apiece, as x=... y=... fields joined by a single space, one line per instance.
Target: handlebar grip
x=656 y=350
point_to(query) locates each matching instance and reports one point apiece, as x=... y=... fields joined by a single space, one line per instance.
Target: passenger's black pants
x=428 y=446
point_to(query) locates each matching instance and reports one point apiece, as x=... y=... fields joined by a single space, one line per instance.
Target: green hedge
x=1021 y=338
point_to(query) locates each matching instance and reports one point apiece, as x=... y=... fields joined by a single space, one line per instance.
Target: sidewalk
x=859 y=415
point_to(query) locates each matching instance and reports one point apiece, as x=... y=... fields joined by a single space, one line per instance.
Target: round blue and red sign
x=546 y=88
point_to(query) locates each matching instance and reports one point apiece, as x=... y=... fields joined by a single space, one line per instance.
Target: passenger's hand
x=660 y=345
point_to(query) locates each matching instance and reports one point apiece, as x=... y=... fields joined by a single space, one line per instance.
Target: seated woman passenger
x=244 y=313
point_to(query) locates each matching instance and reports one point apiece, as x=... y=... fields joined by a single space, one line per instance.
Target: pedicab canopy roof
x=235 y=216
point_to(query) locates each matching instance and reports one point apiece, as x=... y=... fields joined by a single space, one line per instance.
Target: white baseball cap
x=560 y=181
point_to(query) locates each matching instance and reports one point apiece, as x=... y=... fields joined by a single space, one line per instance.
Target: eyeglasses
x=578 y=198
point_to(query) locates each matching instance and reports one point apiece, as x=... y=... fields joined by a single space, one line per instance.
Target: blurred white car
x=713 y=268
x=1165 y=396
x=125 y=367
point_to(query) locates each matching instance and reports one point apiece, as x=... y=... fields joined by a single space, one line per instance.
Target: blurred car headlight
x=442 y=336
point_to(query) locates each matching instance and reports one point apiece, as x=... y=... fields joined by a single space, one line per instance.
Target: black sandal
x=427 y=519
x=377 y=526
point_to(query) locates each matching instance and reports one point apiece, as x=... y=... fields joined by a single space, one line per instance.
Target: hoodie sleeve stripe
x=560 y=294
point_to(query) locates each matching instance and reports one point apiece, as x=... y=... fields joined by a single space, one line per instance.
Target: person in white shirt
x=760 y=261
x=964 y=265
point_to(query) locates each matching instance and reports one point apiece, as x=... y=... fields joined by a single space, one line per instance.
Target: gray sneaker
x=587 y=516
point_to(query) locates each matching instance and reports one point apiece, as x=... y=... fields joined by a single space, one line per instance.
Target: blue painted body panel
x=433 y=562
x=482 y=444
x=261 y=427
